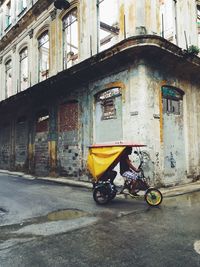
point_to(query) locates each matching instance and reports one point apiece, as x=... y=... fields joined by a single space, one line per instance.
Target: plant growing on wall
x=193 y=50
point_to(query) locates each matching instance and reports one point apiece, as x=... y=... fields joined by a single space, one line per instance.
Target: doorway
x=173 y=135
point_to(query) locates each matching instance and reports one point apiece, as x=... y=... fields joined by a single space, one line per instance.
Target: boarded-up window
x=68 y=116
x=107 y=100
x=42 y=121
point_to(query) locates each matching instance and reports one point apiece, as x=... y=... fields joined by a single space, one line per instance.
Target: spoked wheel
x=153 y=197
x=101 y=195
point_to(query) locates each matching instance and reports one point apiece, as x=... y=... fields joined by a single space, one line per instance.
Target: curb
x=60 y=180
x=167 y=192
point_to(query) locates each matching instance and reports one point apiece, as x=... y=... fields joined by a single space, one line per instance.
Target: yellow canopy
x=100 y=158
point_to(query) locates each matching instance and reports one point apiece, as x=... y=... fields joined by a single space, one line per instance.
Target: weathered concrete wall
x=143 y=120
x=21 y=144
x=69 y=152
x=192 y=120
x=72 y=127
x=5 y=148
x=185 y=144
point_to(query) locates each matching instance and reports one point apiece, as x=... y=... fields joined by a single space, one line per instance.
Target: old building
x=98 y=71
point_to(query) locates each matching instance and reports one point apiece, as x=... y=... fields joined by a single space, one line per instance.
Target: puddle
x=65 y=215
x=60 y=215
x=56 y=222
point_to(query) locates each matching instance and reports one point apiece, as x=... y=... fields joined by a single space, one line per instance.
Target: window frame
x=21 y=7
x=8 y=67
x=112 y=30
x=171 y=96
x=20 y=67
x=43 y=73
x=106 y=98
x=8 y=16
x=69 y=57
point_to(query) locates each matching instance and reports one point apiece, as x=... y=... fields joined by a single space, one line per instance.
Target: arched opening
x=108 y=115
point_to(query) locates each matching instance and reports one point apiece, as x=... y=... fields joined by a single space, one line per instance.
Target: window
x=23 y=57
x=21 y=6
x=43 y=53
x=171 y=106
x=8 y=15
x=172 y=99
x=108 y=24
x=8 y=78
x=167 y=12
x=107 y=101
x=70 y=39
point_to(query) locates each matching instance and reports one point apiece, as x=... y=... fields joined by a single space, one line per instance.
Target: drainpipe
x=176 y=23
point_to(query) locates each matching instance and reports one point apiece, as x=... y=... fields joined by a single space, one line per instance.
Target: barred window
x=107 y=101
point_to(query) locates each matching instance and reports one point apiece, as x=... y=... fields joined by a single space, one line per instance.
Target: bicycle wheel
x=101 y=195
x=153 y=197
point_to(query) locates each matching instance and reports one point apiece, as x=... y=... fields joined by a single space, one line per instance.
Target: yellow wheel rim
x=153 y=198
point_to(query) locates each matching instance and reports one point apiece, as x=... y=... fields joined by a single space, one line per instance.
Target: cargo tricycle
x=102 y=159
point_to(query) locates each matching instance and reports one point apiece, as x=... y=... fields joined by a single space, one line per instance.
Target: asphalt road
x=45 y=224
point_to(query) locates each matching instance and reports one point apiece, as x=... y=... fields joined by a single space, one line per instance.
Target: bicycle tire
x=153 y=197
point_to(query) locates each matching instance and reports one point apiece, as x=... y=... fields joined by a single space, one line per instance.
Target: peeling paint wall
x=69 y=162
x=21 y=144
x=59 y=146
x=71 y=127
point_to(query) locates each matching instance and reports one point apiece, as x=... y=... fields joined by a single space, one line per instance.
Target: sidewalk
x=167 y=192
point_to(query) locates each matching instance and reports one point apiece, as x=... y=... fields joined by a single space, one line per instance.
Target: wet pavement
x=44 y=224
x=165 y=236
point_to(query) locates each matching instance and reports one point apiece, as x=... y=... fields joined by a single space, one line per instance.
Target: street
x=47 y=224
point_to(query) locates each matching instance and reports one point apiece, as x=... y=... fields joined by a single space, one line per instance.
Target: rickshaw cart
x=102 y=159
